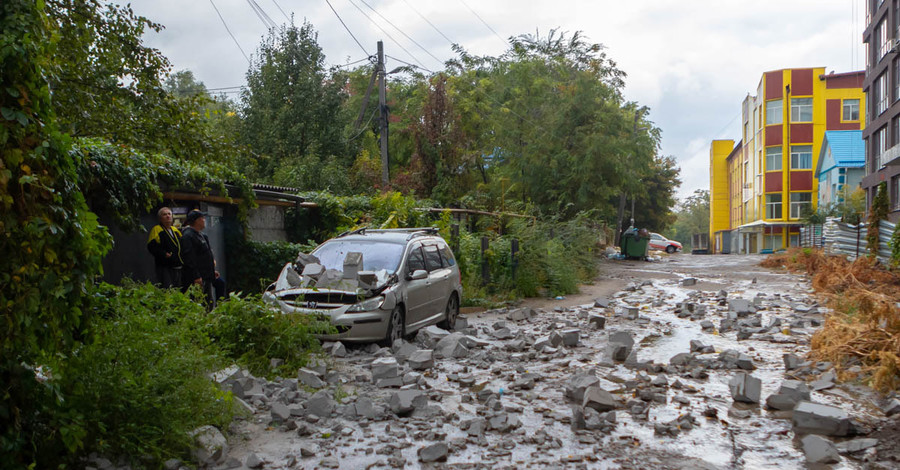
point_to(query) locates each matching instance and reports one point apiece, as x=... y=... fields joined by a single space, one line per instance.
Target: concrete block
x=578 y=383
x=789 y=394
x=597 y=321
x=385 y=368
x=745 y=388
x=310 y=378
x=353 y=264
x=599 y=399
x=421 y=359
x=314 y=270
x=404 y=402
x=367 y=279
x=819 y=450
x=815 y=418
x=571 y=336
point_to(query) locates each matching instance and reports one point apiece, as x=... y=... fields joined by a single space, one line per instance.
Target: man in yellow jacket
x=165 y=245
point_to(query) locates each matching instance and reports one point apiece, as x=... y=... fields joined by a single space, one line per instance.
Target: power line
x=229 y=31
x=354 y=62
x=225 y=88
x=409 y=64
x=387 y=34
x=345 y=27
x=429 y=22
x=267 y=21
x=484 y=22
x=401 y=32
x=282 y=11
x=364 y=127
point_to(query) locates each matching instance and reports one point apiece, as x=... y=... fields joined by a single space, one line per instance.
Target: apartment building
x=882 y=85
x=770 y=176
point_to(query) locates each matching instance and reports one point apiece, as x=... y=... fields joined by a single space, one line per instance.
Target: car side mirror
x=417 y=274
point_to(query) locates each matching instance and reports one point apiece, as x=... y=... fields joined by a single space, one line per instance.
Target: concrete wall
x=266 y=224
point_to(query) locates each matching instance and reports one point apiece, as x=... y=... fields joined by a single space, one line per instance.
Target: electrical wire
x=267 y=21
x=282 y=11
x=364 y=127
x=409 y=64
x=225 y=88
x=429 y=22
x=229 y=31
x=401 y=32
x=387 y=34
x=354 y=62
x=345 y=27
x=505 y=42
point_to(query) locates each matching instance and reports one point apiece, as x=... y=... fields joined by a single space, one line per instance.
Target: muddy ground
x=506 y=390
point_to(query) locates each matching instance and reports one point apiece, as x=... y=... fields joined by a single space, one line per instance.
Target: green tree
x=52 y=245
x=692 y=216
x=878 y=212
x=291 y=108
x=107 y=83
x=655 y=200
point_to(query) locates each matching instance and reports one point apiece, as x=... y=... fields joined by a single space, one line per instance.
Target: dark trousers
x=168 y=277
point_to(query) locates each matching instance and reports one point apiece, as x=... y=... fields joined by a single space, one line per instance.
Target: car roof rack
x=359 y=231
x=412 y=231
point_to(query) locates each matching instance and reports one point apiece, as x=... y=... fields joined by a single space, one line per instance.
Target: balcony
x=890 y=157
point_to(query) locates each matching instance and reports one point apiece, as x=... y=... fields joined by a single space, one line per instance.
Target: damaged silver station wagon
x=374 y=285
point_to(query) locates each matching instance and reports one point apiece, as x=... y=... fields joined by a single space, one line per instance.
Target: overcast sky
x=691 y=61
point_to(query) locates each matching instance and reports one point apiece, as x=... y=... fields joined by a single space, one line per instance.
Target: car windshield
x=376 y=255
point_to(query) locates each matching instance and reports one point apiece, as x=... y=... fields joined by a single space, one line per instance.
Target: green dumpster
x=635 y=243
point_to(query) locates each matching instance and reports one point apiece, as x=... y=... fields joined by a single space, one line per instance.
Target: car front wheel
x=451 y=314
x=396 y=328
x=670 y=249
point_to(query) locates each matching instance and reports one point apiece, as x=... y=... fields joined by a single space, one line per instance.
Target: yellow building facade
x=769 y=175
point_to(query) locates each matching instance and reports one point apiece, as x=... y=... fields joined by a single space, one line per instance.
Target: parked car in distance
x=374 y=285
x=659 y=242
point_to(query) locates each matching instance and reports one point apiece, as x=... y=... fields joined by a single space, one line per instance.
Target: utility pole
x=385 y=176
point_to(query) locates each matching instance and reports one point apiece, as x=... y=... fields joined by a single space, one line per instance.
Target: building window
x=801 y=110
x=851 y=110
x=773 y=112
x=773 y=206
x=800 y=202
x=896 y=67
x=880 y=97
x=879 y=146
x=773 y=158
x=772 y=242
x=801 y=157
x=883 y=45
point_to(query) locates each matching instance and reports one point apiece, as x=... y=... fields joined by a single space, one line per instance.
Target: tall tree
x=291 y=105
x=107 y=83
x=692 y=216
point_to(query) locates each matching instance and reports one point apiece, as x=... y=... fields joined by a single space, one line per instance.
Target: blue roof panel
x=847 y=147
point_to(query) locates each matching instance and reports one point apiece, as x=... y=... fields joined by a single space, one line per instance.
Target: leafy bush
x=251 y=333
x=254 y=265
x=139 y=383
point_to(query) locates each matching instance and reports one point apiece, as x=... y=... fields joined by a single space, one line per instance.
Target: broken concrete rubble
x=819 y=450
x=620 y=345
x=789 y=394
x=745 y=388
x=815 y=418
x=577 y=384
x=599 y=399
x=210 y=445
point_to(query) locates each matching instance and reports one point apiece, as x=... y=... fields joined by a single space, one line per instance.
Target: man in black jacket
x=199 y=263
x=164 y=244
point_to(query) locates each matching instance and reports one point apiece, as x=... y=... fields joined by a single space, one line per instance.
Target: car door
x=416 y=289
x=439 y=281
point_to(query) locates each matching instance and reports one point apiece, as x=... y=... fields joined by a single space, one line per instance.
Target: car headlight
x=367 y=305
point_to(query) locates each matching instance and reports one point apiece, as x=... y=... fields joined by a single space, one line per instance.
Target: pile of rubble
x=549 y=388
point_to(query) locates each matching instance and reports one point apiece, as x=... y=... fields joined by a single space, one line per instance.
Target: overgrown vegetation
x=879 y=212
x=251 y=333
x=138 y=384
x=864 y=328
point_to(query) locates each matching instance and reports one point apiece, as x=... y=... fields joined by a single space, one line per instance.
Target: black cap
x=192 y=216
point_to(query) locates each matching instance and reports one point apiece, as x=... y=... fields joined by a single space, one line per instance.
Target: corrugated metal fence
x=839 y=238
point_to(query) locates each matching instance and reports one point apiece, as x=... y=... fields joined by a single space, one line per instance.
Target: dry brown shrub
x=865 y=323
